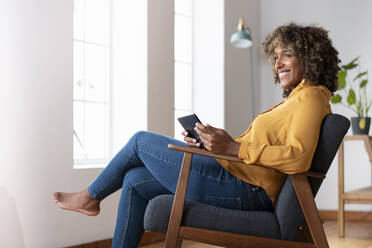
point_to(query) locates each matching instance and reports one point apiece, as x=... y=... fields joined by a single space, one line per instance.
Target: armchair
x=181 y=218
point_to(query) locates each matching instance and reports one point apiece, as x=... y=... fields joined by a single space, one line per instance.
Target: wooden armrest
x=203 y=152
x=199 y=151
x=313 y=174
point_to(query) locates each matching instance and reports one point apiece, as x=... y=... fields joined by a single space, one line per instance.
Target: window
x=183 y=61
x=91 y=82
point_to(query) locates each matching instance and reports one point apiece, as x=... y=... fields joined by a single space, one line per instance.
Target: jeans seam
x=98 y=196
x=262 y=200
x=130 y=205
x=179 y=167
x=157 y=156
x=237 y=199
x=126 y=226
x=250 y=197
x=142 y=182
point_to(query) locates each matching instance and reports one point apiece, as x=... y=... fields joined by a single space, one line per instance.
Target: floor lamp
x=243 y=39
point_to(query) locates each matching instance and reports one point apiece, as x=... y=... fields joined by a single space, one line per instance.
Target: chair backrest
x=287 y=209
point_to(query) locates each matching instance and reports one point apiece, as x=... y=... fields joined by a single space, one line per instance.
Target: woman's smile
x=283 y=74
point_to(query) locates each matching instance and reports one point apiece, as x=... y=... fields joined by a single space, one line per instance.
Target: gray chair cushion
x=283 y=223
x=288 y=211
x=256 y=223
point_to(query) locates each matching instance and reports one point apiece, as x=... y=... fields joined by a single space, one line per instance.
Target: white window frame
x=190 y=64
x=102 y=162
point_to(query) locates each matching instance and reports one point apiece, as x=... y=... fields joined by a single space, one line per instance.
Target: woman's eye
x=288 y=55
x=275 y=57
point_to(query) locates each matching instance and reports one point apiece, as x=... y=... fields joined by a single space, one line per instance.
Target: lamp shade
x=242 y=37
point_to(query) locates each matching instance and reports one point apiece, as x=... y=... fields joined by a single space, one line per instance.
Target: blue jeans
x=144 y=168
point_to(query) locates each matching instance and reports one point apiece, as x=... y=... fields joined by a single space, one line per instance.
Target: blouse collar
x=305 y=84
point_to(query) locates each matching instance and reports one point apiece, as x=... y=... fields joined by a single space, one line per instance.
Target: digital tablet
x=188 y=123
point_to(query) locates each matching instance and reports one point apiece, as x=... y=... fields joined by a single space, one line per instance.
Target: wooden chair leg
x=309 y=209
x=341 y=218
x=172 y=239
x=179 y=242
x=341 y=201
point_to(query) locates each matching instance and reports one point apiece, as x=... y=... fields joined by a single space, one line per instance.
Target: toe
x=56 y=196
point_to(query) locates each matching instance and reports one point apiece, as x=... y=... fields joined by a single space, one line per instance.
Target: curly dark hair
x=313 y=47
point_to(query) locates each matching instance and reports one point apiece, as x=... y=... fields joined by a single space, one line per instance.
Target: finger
x=200 y=126
x=200 y=132
x=206 y=142
x=205 y=128
x=205 y=137
x=184 y=133
x=194 y=144
x=210 y=128
x=207 y=147
x=189 y=140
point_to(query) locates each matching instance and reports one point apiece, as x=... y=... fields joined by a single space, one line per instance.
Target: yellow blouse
x=284 y=137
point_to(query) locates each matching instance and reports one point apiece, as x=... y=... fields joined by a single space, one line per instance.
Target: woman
x=305 y=64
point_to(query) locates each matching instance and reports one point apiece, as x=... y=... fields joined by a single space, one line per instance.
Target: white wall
x=160 y=67
x=238 y=114
x=36 y=129
x=129 y=70
x=36 y=123
x=208 y=61
x=349 y=25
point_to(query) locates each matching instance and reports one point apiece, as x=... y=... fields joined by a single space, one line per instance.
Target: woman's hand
x=217 y=140
x=190 y=141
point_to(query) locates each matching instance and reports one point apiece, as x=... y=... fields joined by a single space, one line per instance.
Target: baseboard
x=361 y=216
x=147 y=238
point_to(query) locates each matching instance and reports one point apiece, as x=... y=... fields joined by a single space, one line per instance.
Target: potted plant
x=354 y=93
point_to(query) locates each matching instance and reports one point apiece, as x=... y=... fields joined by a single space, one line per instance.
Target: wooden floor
x=357 y=234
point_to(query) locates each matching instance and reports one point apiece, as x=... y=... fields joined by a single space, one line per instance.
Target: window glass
x=183 y=61
x=183 y=94
x=91 y=81
x=182 y=39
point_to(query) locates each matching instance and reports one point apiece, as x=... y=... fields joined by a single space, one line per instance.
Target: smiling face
x=288 y=67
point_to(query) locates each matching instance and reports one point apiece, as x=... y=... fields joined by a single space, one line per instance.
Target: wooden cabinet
x=358 y=196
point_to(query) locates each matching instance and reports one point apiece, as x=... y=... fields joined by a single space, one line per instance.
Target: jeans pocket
x=225 y=202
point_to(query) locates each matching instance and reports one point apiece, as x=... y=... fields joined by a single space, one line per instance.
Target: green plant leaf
x=341 y=75
x=363 y=83
x=91 y=86
x=336 y=99
x=355 y=59
x=367 y=109
x=360 y=75
x=358 y=108
x=351 y=97
x=79 y=82
x=349 y=66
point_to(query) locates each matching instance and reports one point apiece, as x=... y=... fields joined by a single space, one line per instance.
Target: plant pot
x=360 y=129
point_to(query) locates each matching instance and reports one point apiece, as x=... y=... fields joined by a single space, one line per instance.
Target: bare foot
x=81 y=202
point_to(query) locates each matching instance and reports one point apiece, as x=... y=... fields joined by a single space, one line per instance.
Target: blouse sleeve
x=302 y=138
